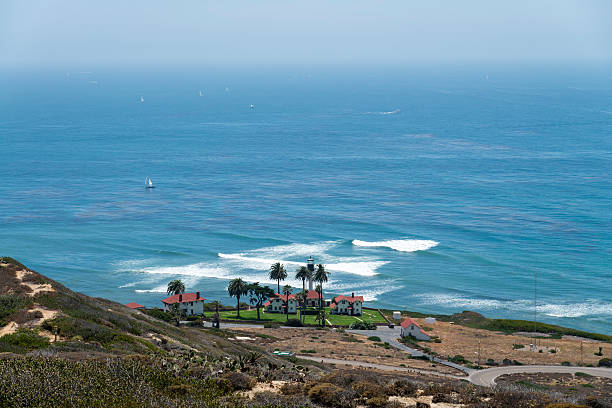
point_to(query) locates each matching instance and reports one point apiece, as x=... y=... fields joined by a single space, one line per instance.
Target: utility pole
x=478 y=352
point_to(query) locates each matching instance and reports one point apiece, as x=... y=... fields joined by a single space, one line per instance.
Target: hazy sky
x=242 y=32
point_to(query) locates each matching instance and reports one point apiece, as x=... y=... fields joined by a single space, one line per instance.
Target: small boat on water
x=149 y=183
x=201 y=93
x=252 y=106
x=141 y=99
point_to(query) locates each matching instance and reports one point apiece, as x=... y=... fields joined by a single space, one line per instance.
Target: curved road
x=487 y=377
x=377 y=366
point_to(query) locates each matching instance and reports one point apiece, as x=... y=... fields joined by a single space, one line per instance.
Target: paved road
x=484 y=378
x=391 y=335
x=384 y=367
x=487 y=377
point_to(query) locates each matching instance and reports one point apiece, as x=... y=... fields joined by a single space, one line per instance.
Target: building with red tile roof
x=189 y=303
x=348 y=305
x=413 y=329
x=312 y=298
x=133 y=305
x=280 y=303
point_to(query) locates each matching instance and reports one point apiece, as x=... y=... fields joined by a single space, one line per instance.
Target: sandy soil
x=12 y=327
x=332 y=344
x=274 y=387
x=462 y=340
x=34 y=287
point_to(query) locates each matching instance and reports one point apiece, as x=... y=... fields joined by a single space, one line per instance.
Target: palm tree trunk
x=238 y=305
x=258 y=311
x=278 y=286
x=303 y=298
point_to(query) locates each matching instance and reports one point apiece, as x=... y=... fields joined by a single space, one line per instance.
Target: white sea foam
x=403 y=245
x=393 y=112
x=587 y=308
x=365 y=268
x=157 y=289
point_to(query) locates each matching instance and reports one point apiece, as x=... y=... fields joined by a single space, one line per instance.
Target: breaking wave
x=403 y=245
x=362 y=268
x=588 y=308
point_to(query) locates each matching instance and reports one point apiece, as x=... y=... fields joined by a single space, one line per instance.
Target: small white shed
x=397 y=316
x=430 y=320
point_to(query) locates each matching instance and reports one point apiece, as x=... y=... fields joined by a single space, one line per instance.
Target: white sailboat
x=201 y=93
x=149 y=183
x=141 y=99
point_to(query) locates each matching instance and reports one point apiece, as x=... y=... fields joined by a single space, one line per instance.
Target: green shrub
x=25 y=339
x=329 y=395
x=294 y=323
x=308 y=351
x=159 y=314
x=566 y=363
x=459 y=359
x=362 y=326
x=239 y=381
x=9 y=304
x=292 y=388
x=374 y=338
x=518 y=346
x=403 y=388
x=368 y=389
x=377 y=402
x=605 y=362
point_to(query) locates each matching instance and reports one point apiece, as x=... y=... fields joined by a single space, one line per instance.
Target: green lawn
x=371 y=316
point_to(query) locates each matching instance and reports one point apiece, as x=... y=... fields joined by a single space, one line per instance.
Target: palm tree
x=175 y=287
x=320 y=276
x=287 y=292
x=278 y=273
x=301 y=297
x=303 y=273
x=237 y=288
x=259 y=294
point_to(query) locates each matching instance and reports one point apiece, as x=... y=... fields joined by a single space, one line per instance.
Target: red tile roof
x=283 y=297
x=187 y=297
x=133 y=305
x=409 y=321
x=278 y=296
x=312 y=294
x=351 y=300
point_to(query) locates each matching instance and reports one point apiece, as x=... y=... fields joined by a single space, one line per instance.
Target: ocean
x=432 y=189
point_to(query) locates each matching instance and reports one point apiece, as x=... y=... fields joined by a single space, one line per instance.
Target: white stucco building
x=278 y=302
x=346 y=305
x=412 y=328
x=189 y=303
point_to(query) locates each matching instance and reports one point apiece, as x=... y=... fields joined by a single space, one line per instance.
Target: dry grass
x=463 y=340
x=344 y=346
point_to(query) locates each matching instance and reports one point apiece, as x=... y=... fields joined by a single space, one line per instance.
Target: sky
x=87 y=33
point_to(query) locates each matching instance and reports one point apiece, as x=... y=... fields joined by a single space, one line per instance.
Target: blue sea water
x=435 y=190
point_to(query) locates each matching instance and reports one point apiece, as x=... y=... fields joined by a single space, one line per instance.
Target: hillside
x=107 y=355
x=104 y=345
